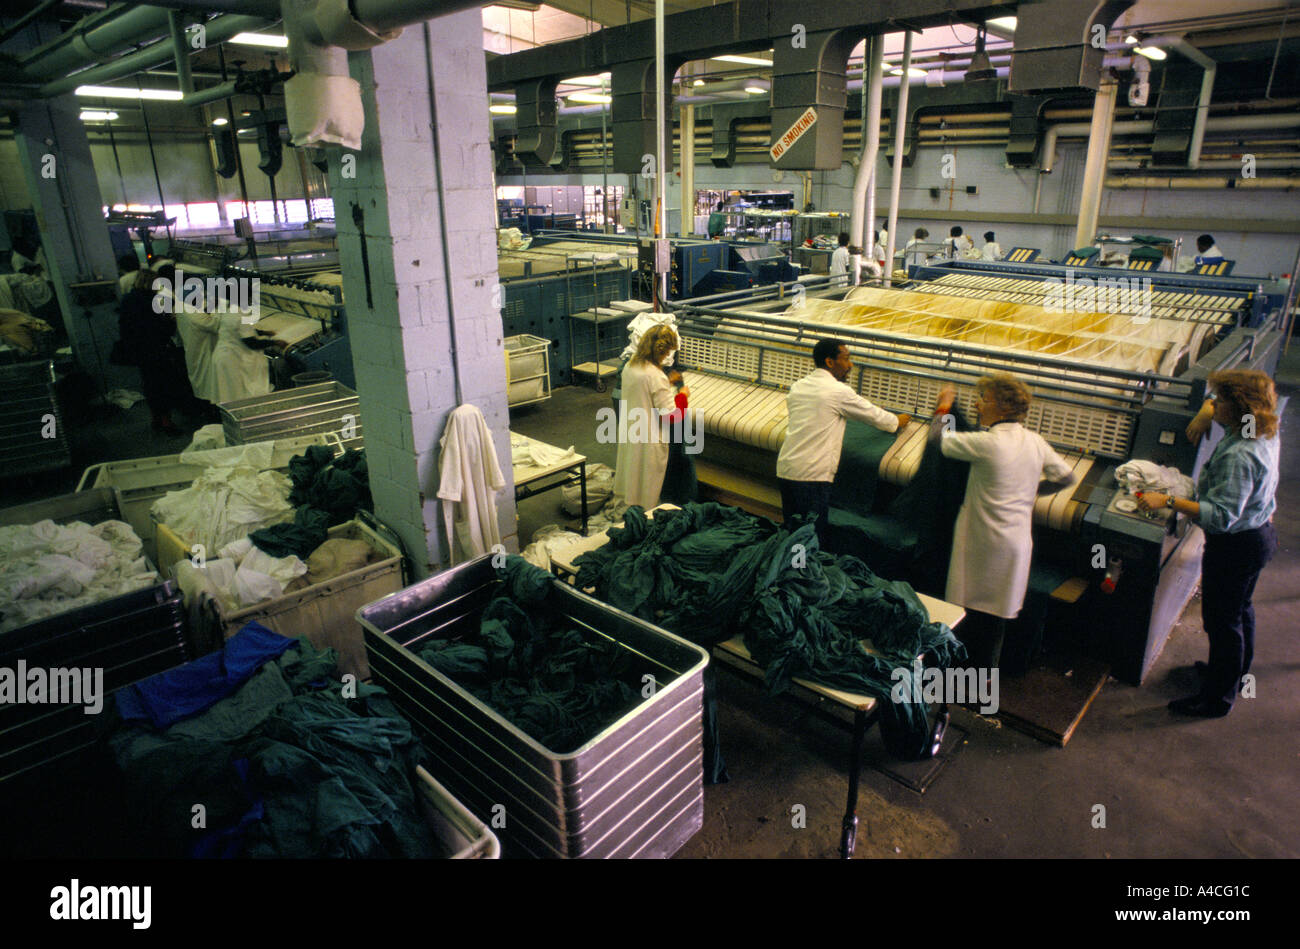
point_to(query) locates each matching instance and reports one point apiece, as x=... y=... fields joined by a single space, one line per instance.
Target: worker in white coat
x=992 y=544
x=648 y=404
x=240 y=370
x=196 y=328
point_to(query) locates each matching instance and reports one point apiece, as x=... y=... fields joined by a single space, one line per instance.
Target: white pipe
x=688 y=165
x=1227 y=123
x=1280 y=182
x=1094 y=169
x=1202 y=115
x=661 y=158
x=896 y=179
x=870 y=143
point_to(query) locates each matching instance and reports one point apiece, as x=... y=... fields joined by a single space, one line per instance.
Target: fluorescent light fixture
x=911 y=71
x=1130 y=39
x=1003 y=23
x=698 y=82
x=756 y=90
x=503 y=109
x=586 y=80
x=1151 y=52
x=592 y=97
x=259 y=39
x=743 y=60
x=122 y=92
x=96 y=115
x=220 y=121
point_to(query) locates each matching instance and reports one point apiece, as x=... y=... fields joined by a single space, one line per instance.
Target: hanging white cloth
x=471 y=478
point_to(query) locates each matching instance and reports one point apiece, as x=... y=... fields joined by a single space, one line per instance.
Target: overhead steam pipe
x=218 y=31
x=896 y=179
x=870 y=144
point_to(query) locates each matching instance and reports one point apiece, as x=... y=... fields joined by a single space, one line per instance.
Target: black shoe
x=1202 y=669
x=1201 y=707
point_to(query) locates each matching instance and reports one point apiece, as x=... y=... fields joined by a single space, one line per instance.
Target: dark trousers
x=1230 y=568
x=983 y=635
x=807 y=497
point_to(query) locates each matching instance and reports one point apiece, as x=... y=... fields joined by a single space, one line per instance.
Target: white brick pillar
x=420 y=298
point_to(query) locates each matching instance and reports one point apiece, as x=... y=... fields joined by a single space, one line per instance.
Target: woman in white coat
x=239 y=368
x=992 y=544
x=643 y=444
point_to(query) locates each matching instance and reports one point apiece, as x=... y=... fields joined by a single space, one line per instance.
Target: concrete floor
x=1171 y=787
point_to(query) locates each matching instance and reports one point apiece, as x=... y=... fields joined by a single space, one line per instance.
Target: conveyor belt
x=756 y=415
x=1215 y=309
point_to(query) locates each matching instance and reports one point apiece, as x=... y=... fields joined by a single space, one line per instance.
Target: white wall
x=1008 y=191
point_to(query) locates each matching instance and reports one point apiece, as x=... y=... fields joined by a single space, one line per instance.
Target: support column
x=417 y=245
x=687 y=135
x=1094 y=169
x=60 y=177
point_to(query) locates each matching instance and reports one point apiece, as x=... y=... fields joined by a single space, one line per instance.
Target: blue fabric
x=170 y=696
x=1238 y=484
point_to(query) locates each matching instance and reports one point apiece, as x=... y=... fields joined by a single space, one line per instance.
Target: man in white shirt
x=840 y=262
x=1207 y=252
x=992 y=249
x=817 y=406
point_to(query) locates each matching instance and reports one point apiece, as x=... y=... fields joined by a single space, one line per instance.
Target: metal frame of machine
x=743 y=345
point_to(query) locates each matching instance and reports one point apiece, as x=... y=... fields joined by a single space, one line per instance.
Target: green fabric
x=325 y=776
x=717 y=224
x=299 y=537
x=326 y=492
x=709 y=572
x=1084 y=252
x=1145 y=253
x=1151 y=239
x=863 y=448
x=536 y=670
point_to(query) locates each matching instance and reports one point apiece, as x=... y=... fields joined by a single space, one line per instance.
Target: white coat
x=992 y=542
x=642 y=452
x=237 y=371
x=198 y=333
x=471 y=478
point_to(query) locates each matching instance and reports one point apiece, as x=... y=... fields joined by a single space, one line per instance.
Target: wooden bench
x=735 y=656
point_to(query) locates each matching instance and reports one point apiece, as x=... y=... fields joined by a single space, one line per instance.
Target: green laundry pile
x=709 y=572
x=535 y=669
x=326 y=492
x=285 y=767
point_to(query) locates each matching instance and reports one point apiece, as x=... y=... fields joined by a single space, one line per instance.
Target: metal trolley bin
x=632 y=790
x=129 y=637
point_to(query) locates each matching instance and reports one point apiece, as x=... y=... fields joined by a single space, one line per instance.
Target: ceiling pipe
x=180 y=49
x=1281 y=182
x=1227 y=123
x=218 y=31
x=863 y=193
x=94 y=38
x=1203 y=103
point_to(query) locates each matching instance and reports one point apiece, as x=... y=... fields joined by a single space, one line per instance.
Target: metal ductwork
x=1053 y=47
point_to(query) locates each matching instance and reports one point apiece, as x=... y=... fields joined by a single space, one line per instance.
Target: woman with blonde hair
x=1235 y=501
x=992 y=544
x=644 y=417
